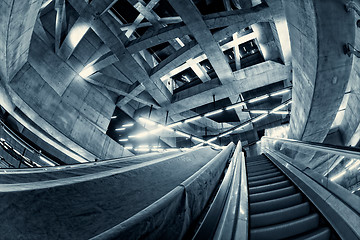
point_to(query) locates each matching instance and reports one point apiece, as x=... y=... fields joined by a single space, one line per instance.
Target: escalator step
x=287 y=229
x=263 y=196
x=269 y=175
x=262 y=172
x=256 y=158
x=269 y=187
x=266 y=181
x=319 y=234
x=279 y=216
x=257 y=163
x=259 y=168
x=275 y=204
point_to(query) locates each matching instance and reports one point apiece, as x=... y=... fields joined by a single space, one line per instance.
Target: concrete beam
x=246 y=79
x=17 y=22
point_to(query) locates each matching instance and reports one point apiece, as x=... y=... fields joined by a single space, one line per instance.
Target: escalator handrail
x=350 y=152
x=227 y=217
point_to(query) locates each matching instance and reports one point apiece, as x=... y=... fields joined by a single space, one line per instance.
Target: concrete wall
x=318 y=30
x=17 y=19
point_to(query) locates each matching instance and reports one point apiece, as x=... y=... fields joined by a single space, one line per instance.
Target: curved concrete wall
x=318 y=30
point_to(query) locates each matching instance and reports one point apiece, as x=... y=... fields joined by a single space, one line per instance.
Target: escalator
x=278 y=209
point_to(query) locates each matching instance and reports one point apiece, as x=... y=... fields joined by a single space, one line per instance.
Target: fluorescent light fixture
x=128 y=147
x=257 y=99
x=183 y=134
x=197 y=139
x=225 y=134
x=278 y=108
x=281 y=112
x=120 y=129
x=142 y=149
x=178 y=40
x=213 y=113
x=192 y=119
x=235 y=106
x=211 y=140
x=144 y=134
x=280 y=92
x=123 y=140
x=260 y=117
x=258 y=111
x=337 y=176
x=174 y=124
x=113 y=117
x=148 y=121
x=241 y=126
x=355 y=165
x=349 y=163
x=128 y=125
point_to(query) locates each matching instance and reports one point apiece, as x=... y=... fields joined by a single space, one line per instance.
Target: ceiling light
x=192 y=119
x=148 y=121
x=128 y=147
x=213 y=113
x=280 y=106
x=235 y=106
x=337 y=176
x=128 y=125
x=281 y=112
x=259 y=111
x=142 y=149
x=349 y=163
x=226 y=133
x=197 y=139
x=355 y=165
x=259 y=118
x=123 y=140
x=113 y=117
x=178 y=40
x=257 y=99
x=120 y=129
x=211 y=140
x=174 y=124
x=280 y=92
x=183 y=134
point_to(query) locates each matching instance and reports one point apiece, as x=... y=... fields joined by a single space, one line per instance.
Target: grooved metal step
x=262 y=172
x=286 y=229
x=275 y=204
x=266 y=181
x=279 y=216
x=260 y=168
x=263 y=196
x=268 y=175
x=319 y=234
x=269 y=187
